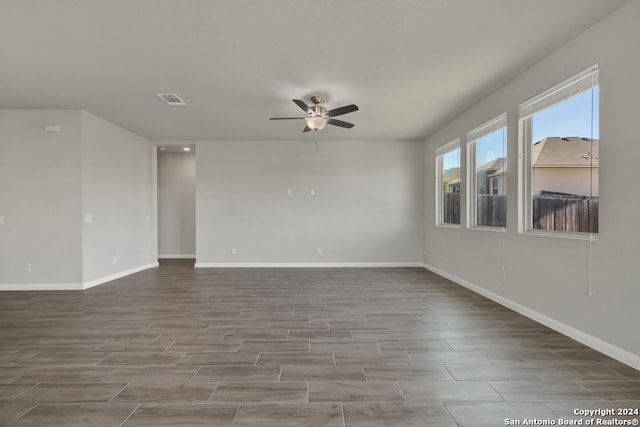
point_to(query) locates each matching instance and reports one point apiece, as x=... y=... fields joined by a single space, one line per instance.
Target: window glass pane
x=491 y=179
x=565 y=152
x=450 y=180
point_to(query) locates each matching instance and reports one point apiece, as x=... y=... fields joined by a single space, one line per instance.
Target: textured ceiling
x=409 y=64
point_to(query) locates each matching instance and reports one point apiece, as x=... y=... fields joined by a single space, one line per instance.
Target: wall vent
x=171 y=99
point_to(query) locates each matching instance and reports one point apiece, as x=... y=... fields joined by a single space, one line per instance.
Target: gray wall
x=40 y=199
x=116 y=192
x=367 y=206
x=50 y=182
x=548 y=277
x=176 y=205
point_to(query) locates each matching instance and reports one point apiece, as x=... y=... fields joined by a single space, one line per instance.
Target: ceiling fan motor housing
x=317 y=111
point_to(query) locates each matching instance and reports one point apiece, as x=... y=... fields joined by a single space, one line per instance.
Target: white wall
x=548 y=277
x=116 y=192
x=176 y=205
x=367 y=206
x=40 y=199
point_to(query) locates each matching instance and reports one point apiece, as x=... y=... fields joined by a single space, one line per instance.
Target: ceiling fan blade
x=306 y=129
x=342 y=110
x=287 y=118
x=302 y=105
x=340 y=123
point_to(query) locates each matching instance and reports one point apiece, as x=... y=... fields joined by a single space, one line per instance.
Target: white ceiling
x=408 y=64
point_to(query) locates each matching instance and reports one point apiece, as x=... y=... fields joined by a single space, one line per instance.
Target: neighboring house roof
x=493 y=165
x=499 y=172
x=451 y=176
x=566 y=152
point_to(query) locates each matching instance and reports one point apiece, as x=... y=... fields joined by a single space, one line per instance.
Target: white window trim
x=573 y=86
x=569 y=88
x=440 y=152
x=473 y=136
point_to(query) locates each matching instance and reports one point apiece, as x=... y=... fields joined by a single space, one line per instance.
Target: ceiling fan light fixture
x=316 y=122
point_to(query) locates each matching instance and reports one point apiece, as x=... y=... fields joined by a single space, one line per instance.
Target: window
x=487 y=178
x=560 y=147
x=448 y=184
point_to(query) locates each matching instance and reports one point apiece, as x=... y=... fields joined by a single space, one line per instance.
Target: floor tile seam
x=364 y=371
x=130 y=415
x=215 y=388
x=103 y=359
x=102 y=381
x=117 y=393
x=448 y=344
x=169 y=346
x=344 y=421
x=444 y=366
x=195 y=375
x=444 y=406
x=410 y=359
x=23 y=392
x=402 y=392
x=179 y=360
x=235 y=417
x=23 y=414
x=495 y=390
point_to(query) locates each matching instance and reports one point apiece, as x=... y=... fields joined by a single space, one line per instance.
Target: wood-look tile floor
x=174 y=346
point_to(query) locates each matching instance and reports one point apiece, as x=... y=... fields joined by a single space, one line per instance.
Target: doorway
x=176 y=204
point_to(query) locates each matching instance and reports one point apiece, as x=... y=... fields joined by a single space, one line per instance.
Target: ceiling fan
x=318 y=116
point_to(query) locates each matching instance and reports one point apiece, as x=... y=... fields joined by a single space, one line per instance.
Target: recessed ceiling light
x=162 y=148
x=187 y=149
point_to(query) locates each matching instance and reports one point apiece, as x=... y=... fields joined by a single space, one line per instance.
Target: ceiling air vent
x=171 y=99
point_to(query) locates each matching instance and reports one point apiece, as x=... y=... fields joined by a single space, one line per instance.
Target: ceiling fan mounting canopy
x=318 y=116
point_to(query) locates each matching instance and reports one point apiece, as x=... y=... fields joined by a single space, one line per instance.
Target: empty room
x=296 y=213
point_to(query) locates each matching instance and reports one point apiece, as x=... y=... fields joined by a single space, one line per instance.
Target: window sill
x=491 y=229
x=574 y=236
x=456 y=226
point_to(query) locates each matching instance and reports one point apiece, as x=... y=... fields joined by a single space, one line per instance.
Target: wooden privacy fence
x=565 y=214
x=492 y=210
x=575 y=214
x=451 y=212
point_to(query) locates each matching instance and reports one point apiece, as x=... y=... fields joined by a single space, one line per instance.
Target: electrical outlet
x=114 y=259
x=27 y=267
x=289 y=192
x=234 y=251
x=1 y=220
x=312 y=192
x=319 y=251
x=446 y=258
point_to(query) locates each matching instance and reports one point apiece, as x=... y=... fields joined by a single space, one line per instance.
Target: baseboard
x=74 y=286
x=109 y=278
x=305 y=264
x=610 y=350
x=177 y=256
x=41 y=287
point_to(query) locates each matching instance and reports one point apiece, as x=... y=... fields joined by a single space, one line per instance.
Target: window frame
x=440 y=153
x=487 y=128
x=578 y=84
